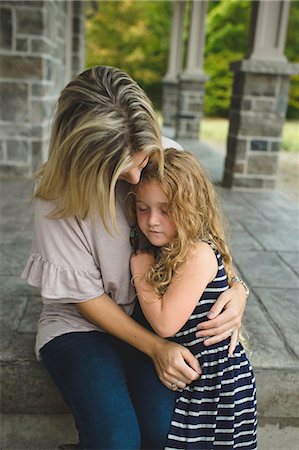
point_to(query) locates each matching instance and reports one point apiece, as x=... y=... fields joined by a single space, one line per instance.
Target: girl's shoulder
x=209 y=247
x=205 y=246
x=203 y=254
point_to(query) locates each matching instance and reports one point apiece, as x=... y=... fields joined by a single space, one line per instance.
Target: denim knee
x=97 y=437
x=88 y=369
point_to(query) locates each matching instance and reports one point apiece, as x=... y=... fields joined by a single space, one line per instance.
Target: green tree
x=133 y=36
x=226 y=41
x=292 y=46
x=227 y=26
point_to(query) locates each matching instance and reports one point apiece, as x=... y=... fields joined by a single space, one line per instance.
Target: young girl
x=176 y=289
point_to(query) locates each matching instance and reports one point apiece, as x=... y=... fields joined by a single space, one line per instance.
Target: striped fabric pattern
x=218 y=411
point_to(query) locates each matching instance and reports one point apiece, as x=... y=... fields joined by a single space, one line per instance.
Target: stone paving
x=265 y=243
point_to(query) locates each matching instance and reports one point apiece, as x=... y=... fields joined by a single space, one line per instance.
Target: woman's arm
x=168 y=313
x=172 y=362
x=225 y=317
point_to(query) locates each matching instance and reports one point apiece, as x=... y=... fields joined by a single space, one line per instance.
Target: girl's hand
x=176 y=366
x=141 y=262
x=225 y=317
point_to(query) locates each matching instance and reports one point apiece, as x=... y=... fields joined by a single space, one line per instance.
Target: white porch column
x=196 y=42
x=69 y=42
x=191 y=84
x=267 y=36
x=259 y=100
x=170 y=81
x=176 y=42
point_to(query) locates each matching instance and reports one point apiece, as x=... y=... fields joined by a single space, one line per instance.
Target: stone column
x=78 y=41
x=192 y=80
x=170 y=81
x=259 y=100
x=32 y=73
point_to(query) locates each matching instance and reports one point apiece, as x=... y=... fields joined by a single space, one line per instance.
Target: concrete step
x=27 y=388
x=45 y=432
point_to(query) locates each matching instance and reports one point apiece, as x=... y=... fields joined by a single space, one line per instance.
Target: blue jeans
x=112 y=389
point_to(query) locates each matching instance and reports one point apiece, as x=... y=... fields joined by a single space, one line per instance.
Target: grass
x=217 y=130
x=290 y=136
x=214 y=129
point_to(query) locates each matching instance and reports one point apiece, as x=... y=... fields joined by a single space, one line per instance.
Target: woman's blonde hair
x=193 y=208
x=102 y=119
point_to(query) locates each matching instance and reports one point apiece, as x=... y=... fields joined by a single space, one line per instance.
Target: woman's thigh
x=89 y=371
x=154 y=403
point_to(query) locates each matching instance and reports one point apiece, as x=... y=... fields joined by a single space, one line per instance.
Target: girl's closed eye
x=141 y=208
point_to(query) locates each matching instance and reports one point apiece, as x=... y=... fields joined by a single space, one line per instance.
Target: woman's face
x=152 y=214
x=132 y=175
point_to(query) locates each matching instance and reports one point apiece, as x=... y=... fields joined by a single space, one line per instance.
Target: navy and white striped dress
x=218 y=411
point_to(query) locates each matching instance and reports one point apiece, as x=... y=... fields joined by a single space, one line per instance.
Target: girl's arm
x=172 y=361
x=168 y=313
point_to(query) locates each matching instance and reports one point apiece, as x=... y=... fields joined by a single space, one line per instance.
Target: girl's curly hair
x=194 y=209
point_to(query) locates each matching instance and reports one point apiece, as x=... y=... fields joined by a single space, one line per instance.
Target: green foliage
x=292 y=40
x=226 y=40
x=292 y=46
x=218 y=88
x=293 y=106
x=133 y=36
x=227 y=26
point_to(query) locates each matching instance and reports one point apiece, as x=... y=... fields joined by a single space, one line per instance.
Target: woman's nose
x=133 y=176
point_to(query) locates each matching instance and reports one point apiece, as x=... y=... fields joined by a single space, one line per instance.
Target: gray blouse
x=76 y=260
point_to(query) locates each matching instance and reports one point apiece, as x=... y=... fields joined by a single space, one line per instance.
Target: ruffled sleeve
x=63 y=283
x=63 y=263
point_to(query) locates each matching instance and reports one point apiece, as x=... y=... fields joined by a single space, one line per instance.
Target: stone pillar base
x=170 y=100
x=190 y=107
x=257 y=114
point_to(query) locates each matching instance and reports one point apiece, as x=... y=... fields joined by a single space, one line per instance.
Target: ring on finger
x=174 y=385
x=230 y=332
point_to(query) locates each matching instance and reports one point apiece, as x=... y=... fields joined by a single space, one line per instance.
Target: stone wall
x=190 y=106
x=34 y=41
x=257 y=114
x=170 y=103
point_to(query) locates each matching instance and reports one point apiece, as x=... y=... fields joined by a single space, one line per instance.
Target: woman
x=104 y=362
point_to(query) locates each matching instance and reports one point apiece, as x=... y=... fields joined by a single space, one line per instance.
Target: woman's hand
x=173 y=362
x=175 y=365
x=225 y=317
x=141 y=262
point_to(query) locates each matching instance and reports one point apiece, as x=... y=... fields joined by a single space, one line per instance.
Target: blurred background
x=136 y=36
x=224 y=79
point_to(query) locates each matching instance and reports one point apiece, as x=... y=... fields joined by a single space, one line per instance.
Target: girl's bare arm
x=168 y=313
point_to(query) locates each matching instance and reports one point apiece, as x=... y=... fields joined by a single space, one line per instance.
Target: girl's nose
x=153 y=219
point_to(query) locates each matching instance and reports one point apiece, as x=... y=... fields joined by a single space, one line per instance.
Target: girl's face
x=151 y=211
x=132 y=175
